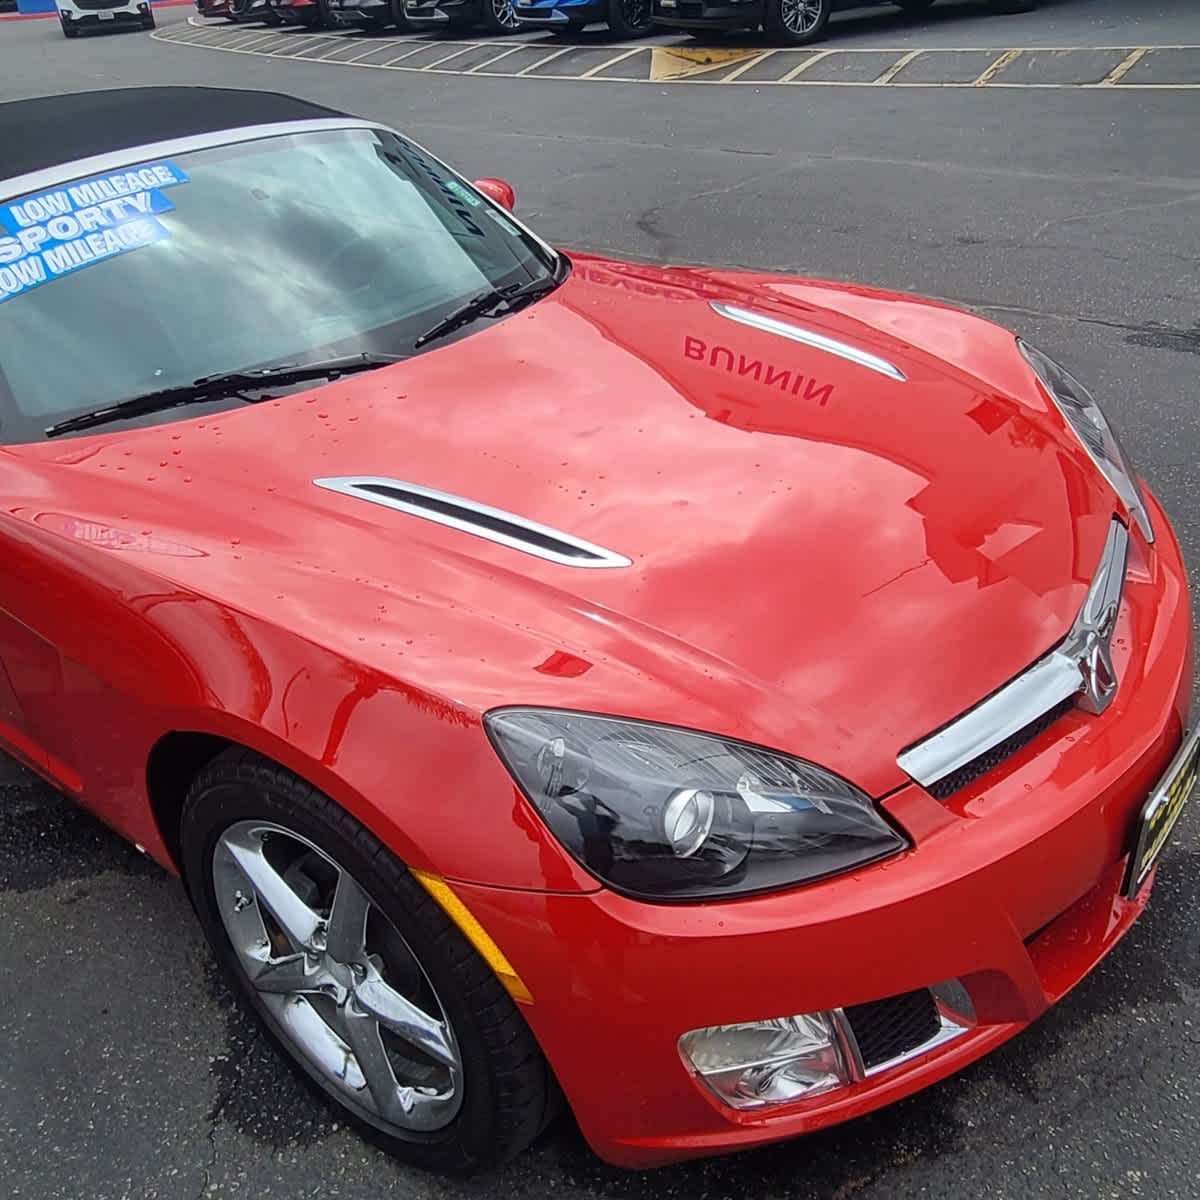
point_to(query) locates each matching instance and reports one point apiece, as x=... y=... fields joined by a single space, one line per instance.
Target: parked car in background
x=312 y=14
x=238 y=10
x=792 y=22
x=626 y=18
x=496 y=16
x=374 y=15
x=76 y=15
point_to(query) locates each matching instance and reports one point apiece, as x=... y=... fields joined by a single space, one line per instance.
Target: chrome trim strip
x=353 y=485
x=808 y=337
x=114 y=160
x=1081 y=665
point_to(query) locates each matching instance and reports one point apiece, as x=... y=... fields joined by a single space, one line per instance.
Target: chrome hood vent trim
x=808 y=337
x=1079 y=668
x=468 y=516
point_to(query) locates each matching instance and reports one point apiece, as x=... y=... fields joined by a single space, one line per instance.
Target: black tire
x=307 y=18
x=69 y=30
x=498 y=16
x=1008 y=7
x=914 y=7
x=796 y=22
x=507 y=1092
x=631 y=18
x=148 y=20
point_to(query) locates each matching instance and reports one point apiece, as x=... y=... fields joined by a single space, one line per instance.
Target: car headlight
x=1091 y=426
x=667 y=813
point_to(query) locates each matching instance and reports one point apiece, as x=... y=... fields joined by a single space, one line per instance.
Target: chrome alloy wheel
x=800 y=16
x=344 y=988
x=505 y=13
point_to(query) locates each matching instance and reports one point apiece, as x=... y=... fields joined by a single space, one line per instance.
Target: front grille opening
x=989 y=760
x=886 y=1029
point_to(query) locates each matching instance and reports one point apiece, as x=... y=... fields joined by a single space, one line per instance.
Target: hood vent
x=493 y=524
x=809 y=337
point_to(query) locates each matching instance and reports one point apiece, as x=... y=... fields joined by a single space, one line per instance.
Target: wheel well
x=174 y=762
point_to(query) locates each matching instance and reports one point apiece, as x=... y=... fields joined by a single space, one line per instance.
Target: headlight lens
x=666 y=813
x=1091 y=426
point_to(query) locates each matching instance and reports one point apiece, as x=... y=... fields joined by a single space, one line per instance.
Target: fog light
x=767 y=1062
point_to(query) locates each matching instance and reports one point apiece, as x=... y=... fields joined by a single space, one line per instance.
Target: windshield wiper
x=511 y=298
x=215 y=387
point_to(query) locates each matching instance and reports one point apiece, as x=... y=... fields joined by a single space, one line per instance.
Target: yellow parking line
x=1123 y=68
x=898 y=66
x=615 y=59
x=997 y=67
x=745 y=66
x=808 y=62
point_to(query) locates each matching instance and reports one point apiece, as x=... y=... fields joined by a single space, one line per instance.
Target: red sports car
x=723 y=703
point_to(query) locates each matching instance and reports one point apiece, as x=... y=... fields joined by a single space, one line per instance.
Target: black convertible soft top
x=35 y=134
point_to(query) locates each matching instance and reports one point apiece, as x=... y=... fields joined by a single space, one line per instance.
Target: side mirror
x=498 y=190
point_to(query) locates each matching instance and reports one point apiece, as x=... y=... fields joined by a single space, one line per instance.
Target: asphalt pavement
x=1071 y=214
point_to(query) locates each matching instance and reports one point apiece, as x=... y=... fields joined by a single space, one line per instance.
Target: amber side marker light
x=475 y=933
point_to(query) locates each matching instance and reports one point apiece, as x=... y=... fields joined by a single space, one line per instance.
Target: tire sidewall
x=491 y=22
x=210 y=811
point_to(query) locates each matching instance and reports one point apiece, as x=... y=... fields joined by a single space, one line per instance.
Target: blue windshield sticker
x=50 y=234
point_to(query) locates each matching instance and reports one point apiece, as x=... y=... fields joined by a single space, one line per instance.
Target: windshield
x=282 y=250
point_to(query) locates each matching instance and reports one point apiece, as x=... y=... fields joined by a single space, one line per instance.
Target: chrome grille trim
x=809 y=337
x=1074 y=668
x=480 y=520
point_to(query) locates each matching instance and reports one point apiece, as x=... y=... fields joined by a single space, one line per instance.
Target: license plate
x=106 y=16
x=1161 y=812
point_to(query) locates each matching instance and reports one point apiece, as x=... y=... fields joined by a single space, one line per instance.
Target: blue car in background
x=626 y=18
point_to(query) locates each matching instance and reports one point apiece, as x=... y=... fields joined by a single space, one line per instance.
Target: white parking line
x=745 y=67
x=542 y=61
x=808 y=62
x=616 y=59
x=453 y=54
x=488 y=61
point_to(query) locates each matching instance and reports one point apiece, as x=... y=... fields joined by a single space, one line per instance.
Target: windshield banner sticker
x=49 y=234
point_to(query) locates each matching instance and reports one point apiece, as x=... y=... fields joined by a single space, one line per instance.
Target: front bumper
x=101 y=18
x=444 y=10
x=562 y=13
x=1013 y=887
x=701 y=14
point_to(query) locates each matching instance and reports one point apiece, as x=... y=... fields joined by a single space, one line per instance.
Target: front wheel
x=631 y=18
x=69 y=29
x=357 y=973
x=797 y=22
x=148 y=20
x=499 y=16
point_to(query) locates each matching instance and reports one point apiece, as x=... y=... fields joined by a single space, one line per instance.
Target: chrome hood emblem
x=1080 y=667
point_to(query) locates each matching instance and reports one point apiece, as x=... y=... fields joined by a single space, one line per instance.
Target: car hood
x=823 y=557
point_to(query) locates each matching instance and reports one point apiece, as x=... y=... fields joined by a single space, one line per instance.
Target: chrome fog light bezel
x=955 y=1013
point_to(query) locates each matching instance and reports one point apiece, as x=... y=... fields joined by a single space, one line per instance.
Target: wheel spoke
x=405 y=1019
x=287 y=975
x=347 y=931
x=362 y=1035
x=296 y=919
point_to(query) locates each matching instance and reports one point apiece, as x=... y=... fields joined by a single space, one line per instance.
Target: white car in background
x=75 y=15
